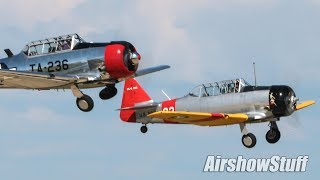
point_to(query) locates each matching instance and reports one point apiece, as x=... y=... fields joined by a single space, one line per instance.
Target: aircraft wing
x=38 y=80
x=200 y=118
x=304 y=104
x=150 y=70
x=145 y=71
x=33 y=80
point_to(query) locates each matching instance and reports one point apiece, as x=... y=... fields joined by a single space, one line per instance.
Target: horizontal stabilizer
x=305 y=104
x=152 y=105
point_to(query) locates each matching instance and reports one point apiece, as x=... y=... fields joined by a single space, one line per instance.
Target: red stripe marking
x=217 y=115
x=169 y=105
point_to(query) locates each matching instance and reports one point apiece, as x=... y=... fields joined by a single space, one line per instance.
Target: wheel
x=108 y=92
x=273 y=136
x=143 y=129
x=85 y=103
x=249 y=140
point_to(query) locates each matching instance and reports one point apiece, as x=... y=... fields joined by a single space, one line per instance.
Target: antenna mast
x=166 y=94
x=254 y=73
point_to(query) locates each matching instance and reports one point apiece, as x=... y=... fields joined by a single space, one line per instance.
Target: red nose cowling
x=119 y=59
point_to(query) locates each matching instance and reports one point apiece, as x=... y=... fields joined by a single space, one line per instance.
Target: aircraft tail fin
x=133 y=95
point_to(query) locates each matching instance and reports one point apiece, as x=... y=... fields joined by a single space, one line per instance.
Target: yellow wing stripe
x=200 y=118
x=305 y=104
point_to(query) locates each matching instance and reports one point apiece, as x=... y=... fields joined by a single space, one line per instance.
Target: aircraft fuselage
x=215 y=104
x=81 y=62
x=69 y=62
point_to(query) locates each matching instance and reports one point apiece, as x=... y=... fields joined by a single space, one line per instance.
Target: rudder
x=133 y=93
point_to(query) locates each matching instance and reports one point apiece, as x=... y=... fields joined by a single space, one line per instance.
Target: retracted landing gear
x=108 y=92
x=144 y=129
x=273 y=135
x=248 y=139
x=84 y=102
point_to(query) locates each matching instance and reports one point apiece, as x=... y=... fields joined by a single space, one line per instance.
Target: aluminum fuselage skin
x=225 y=103
x=81 y=62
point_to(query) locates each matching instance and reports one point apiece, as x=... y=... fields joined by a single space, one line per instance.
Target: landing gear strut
x=248 y=139
x=108 y=92
x=273 y=135
x=84 y=102
x=144 y=129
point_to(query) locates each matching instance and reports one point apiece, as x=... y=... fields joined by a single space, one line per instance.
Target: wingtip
x=162 y=67
x=167 y=66
x=151 y=70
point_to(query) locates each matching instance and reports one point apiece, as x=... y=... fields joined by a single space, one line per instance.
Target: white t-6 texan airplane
x=215 y=104
x=68 y=62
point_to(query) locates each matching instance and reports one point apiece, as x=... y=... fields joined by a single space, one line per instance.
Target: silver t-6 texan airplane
x=69 y=62
x=215 y=104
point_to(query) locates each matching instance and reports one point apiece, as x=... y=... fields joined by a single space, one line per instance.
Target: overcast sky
x=44 y=136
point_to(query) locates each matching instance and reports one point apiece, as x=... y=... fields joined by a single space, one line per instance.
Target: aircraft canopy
x=52 y=45
x=217 y=88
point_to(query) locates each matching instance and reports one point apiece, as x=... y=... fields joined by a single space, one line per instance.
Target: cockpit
x=218 y=88
x=52 y=45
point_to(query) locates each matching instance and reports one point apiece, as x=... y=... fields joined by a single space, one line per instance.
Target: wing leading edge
x=38 y=80
x=200 y=118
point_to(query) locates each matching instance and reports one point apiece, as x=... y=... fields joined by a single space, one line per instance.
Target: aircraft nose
x=283 y=100
x=120 y=59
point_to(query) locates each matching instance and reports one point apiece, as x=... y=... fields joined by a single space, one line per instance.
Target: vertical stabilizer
x=133 y=93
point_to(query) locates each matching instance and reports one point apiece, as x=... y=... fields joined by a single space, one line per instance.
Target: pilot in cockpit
x=237 y=85
x=65 y=45
x=230 y=87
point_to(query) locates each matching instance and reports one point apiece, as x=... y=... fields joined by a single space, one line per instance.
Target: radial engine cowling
x=121 y=59
x=282 y=100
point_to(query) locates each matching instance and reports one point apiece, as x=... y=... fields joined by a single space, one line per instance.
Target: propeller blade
x=305 y=104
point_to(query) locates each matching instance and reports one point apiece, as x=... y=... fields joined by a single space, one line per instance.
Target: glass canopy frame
x=52 y=45
x=218 y=88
